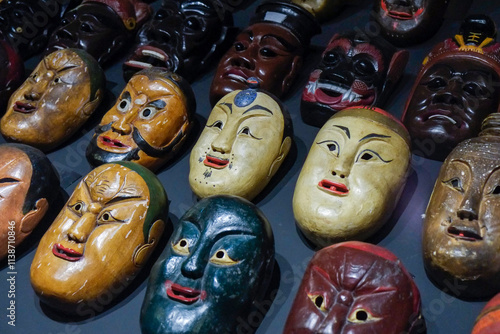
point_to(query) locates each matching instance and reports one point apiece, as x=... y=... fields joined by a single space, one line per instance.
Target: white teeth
x=331 y=87
x=351 y=96
x=139 y=63
x=312 y=86
x=445 y=117
x=153 y=54
x=236 y=77
x=58 y=47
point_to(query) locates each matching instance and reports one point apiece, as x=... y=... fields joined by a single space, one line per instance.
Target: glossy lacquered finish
x=57 y=98
x=149 y=122
x=355 y=70
x=29 y=186
x=353 y=176
x=356 y=288
x=101 y=239
x=408 y=22
x=270 y=49
x=461 y=239
x=185 y=37
x=246 y=139
x=488 y=321
x=103 y=28
x=323 y=10
x=455 y=89
x=11 y=71
x=216 y=266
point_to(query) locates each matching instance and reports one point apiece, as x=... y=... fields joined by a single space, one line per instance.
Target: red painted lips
x=333 y=187
x=183 y=294
x=105 y=140
x=215 y=162
x=66 y=253
x=24 y=108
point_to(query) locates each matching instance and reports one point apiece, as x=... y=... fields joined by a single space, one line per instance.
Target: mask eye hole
x=181 y=247
x=217 y=124
x=455 y=183
x=124 y=105
x=222 y=258
x=361 y=315
x=496 y=190
x=318 y=300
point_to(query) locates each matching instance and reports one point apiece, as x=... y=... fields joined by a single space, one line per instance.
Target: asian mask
x=103 y=28
x=354 y=70
x=461 y=239
x=101 y=239
x=271 y=49
x=183 y=36
x=488 y=321
x=323 y=10
x=353 y=176
x=28 y=187
x=246 y=139
x=455 y=89
x=27 y=24
x=217 y=264
x=11 y=71
x=355 y=287
x=148 y=123
x=408 y=22
x=55 y=100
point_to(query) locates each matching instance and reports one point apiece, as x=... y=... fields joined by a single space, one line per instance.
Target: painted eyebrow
x=289 y=47
x=8 y=180
x=121 y=198
x=345 y=129
x=126 y=95
x=257 y=107
x=160 y=104
x=373 y=135
x=228 y=105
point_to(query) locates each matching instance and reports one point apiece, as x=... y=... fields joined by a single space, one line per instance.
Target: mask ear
x=32 y=218
x=143 y=253
x=394 y=73
x=290 y=77
x=90 y=106
x=284 y=149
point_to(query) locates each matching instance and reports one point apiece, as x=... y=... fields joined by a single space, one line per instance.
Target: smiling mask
x=455 y=89
x=101 y=239
x=247 y=136
x=217 y=264
x=352 y=177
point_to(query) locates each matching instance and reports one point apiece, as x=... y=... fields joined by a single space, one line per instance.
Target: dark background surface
x=402 y=234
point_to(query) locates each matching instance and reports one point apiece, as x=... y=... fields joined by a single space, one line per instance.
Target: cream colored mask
x=244 y=143
x=353 y=176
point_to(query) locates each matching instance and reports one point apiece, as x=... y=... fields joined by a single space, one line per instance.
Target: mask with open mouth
x=408 y=22
x=120 y=206
x=336 y=197
x=455 y=89
x=355 y=70
x=184 y=37
x=246 y=139
x=355 y=287
x=461 y=231
x=217 y=264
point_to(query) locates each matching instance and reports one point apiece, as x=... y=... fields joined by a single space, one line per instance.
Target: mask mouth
x=66 y=253
x=402 y=13
x=25 y=108
x=113 y=143
x=215 y=162
x=149 y=56
x=466 y=232
x=183 y=294
x=442 y=116
x=236 y=74
x=333 y=187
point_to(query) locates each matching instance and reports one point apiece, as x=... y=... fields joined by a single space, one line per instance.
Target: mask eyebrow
x=345 y=129
x=8 y=180
x=160 y=104
x=126 y=96
x=373 y=135
x=257 y=107
x=121 y=198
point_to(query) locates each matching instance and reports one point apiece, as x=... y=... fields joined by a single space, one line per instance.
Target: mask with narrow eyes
x=29 y=186
x=148 y=123
x=57 y=98
x=270 y=49
x=355 y=287
x=101 y=239
x=27 y=25
x=216 y=265
x=461 y=239
x=353 y=176
x=408 y=22
x=355 y=70
x=246 y=139
x=455 y=89
x=103 y=28
x=184 y=37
